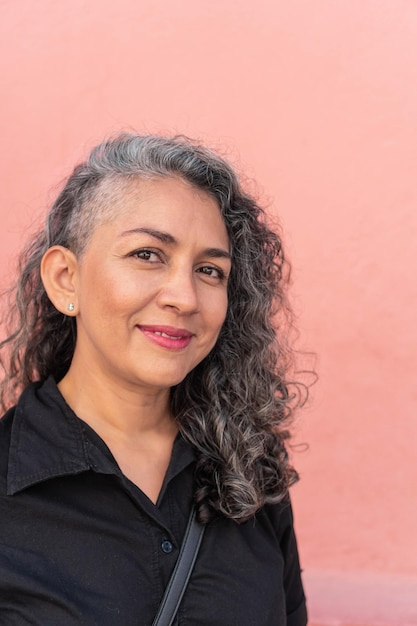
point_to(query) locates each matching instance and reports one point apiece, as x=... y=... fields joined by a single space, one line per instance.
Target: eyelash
x=148 y=251
x=220 y=274
x=203 y=270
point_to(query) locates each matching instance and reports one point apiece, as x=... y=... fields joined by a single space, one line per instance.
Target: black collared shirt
x=81 y=544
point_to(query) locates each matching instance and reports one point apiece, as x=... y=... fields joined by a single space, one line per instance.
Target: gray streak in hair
x=235 y=406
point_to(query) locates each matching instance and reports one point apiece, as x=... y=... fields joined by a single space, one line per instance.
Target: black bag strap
x=181 y=574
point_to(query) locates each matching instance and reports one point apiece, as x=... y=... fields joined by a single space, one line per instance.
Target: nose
x=179 y=291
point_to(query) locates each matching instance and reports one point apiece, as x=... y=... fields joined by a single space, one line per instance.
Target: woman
x=151 y=380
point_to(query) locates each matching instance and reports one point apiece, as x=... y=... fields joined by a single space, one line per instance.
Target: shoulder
x=6 y=423
x=15 y=425
x=281 y=520
x=279 y=517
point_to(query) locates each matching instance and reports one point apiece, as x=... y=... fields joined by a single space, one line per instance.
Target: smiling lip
x=167 y=336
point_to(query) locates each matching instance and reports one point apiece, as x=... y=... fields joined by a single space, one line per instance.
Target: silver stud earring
x=71 y=307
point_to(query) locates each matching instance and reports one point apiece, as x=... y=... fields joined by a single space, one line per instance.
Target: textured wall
x=317 y=101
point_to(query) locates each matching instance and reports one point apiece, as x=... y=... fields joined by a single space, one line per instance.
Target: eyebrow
x=170 y=239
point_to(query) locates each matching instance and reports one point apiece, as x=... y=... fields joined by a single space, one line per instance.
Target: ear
x=59 y=274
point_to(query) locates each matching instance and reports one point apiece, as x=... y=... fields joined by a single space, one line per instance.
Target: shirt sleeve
x=293 y=586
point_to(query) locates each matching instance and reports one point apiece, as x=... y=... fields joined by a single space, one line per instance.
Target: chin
x=162 y=381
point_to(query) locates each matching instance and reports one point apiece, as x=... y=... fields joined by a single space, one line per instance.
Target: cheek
x=104 y=289
x=224 y=312
x=217 y=310
x=97 y=290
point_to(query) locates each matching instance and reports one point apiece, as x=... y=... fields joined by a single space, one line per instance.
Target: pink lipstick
x=167 y=336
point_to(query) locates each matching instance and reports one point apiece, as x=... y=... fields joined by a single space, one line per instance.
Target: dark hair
x=234 y=407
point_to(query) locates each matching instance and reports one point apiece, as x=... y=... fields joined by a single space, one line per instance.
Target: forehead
x=120 y=193
x=124 y=202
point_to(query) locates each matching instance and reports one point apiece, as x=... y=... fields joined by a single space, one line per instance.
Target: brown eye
x=146 y=254
x=213 y=272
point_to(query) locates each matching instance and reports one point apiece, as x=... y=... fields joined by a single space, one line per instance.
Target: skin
x=158 y=267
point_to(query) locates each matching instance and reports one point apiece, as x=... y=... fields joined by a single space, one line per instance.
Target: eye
x=146 y=254
x=212 y=272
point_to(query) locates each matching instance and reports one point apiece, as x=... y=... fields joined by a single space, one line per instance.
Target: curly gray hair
x=234 y=407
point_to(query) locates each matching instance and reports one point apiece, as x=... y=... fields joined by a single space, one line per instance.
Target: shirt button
x=167 y=546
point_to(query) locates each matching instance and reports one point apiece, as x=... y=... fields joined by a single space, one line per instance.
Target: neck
x=113 y=411
x=136 y=424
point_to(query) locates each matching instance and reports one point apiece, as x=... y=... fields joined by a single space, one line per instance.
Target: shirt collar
x=49 y=440
x=46 y=439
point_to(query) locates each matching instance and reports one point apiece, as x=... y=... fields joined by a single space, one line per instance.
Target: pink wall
x=317 y=101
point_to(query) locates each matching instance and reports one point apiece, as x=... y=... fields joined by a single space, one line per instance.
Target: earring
x=71 y=307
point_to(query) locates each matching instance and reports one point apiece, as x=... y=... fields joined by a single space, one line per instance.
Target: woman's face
x=151 y=286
